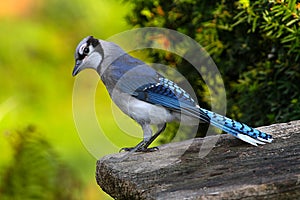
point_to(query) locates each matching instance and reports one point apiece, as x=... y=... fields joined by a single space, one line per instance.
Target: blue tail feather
x=238 y=129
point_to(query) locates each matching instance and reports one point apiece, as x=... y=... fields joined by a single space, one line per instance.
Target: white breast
x=141 y=111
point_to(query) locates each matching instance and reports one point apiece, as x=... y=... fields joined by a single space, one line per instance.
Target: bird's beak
x=76 y=69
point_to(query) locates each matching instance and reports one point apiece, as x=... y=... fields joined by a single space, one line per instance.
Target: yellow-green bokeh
x=37 y=44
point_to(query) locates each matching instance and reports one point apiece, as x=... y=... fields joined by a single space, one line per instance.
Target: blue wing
x=169 y=95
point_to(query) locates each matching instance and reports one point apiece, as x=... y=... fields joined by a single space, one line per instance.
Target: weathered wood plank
x=231 y=170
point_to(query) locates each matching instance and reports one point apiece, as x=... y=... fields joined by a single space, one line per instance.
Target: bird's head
x=89 y=54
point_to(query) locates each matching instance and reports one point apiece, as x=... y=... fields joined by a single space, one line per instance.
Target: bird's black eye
x=86 y=50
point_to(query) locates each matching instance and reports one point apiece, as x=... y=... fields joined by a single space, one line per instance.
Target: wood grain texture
x=231 y=170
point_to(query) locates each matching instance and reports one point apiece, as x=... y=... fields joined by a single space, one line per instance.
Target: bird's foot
x=141 y=149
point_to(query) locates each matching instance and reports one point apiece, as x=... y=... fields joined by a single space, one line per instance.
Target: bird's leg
x=148 y=139
x=140 y=146
x=161 y=128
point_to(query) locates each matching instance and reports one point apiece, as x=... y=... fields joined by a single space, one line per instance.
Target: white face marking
x=85 y=49
x=81 y=49
x=92 y=61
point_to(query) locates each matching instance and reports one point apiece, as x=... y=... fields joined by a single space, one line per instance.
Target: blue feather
x=169 y=95
x=238 y=129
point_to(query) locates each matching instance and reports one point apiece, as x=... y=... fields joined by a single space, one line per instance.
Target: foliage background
x=255 y=45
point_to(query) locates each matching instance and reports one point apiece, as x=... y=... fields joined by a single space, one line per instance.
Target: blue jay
x=148 y=97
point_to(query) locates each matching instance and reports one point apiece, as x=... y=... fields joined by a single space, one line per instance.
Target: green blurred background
x=37 y=44
x=255 y=44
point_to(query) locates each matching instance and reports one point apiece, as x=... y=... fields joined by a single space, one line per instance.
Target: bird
x=148 y=97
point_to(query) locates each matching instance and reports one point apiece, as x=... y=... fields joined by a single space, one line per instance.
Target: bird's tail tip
x=255 y=141
x=269 y=139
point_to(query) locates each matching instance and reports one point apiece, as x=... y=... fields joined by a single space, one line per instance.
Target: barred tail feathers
x=238 y=129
